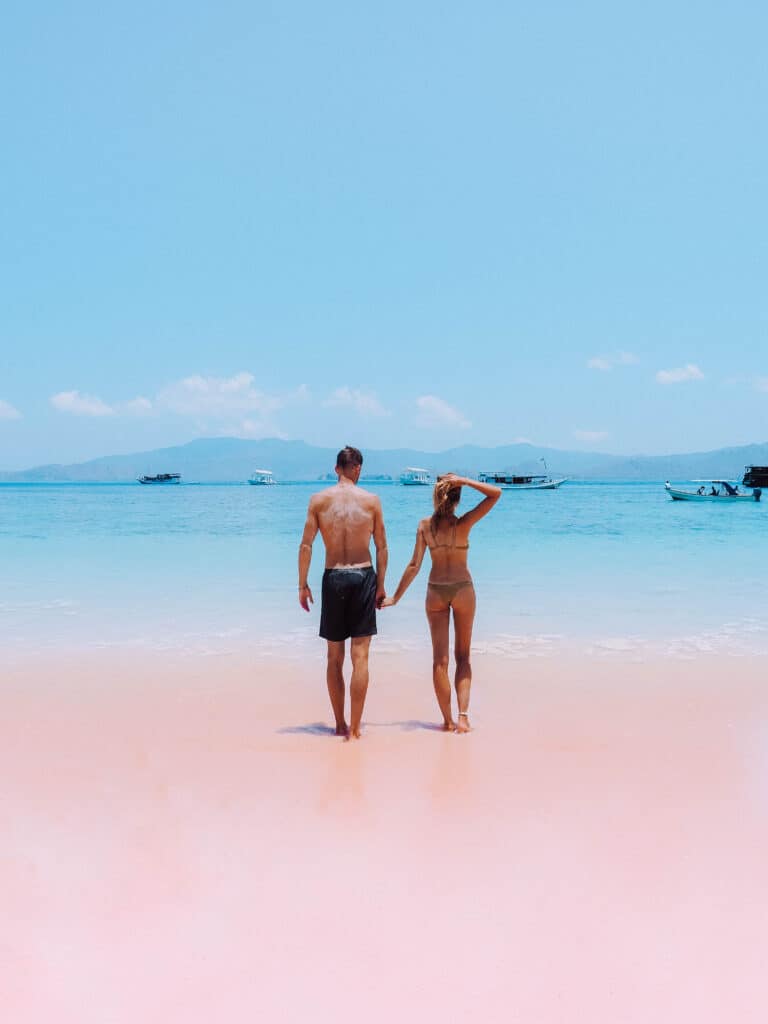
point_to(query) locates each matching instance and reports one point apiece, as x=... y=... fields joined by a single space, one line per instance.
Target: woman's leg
x=438 y=615
x=463 y=620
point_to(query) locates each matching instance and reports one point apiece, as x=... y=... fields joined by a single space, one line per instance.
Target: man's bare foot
x=342 y=730
x=463 y=723
x=449 y=725
x=353 y=734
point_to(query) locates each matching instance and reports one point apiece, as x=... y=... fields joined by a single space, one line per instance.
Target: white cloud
x=80 y=405
x=362 y=402
x=8 y=411
x=135 y=407
x=591 y=435
x=434 y=412
x=217 y=396
x=761 y=383
x=608 y=362
x=681 y=373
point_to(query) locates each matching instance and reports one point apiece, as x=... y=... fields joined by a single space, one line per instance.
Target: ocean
x=602 y=568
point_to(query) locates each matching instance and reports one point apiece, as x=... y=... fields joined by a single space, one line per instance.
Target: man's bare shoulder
x=324 y=496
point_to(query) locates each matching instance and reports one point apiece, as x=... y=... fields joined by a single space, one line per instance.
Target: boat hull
x=550 y=485
x=159 y=483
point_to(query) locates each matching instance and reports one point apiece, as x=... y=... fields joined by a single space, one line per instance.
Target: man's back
x=347 y=517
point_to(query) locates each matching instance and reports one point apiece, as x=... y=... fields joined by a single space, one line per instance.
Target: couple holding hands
x=347 y=517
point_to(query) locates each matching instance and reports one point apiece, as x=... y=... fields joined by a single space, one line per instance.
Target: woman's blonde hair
x=445 y=497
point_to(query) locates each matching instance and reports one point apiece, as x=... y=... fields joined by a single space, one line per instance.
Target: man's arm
x=382 y=555
x=305 y=555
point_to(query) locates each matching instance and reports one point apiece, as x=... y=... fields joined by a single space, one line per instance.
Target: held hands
x=388 y=602
x=305 y=598
x=381 y=598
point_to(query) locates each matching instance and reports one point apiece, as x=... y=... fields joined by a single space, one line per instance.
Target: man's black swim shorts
x=349 y=603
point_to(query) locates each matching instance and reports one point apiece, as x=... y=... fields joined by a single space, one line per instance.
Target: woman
x=449 y=588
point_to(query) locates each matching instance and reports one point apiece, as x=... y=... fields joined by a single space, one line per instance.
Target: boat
x=161 y=478
x=755 y=476
x=262 y=477
x=515 y=482
x=412 y=476
x=521 y=482
x=719 y=490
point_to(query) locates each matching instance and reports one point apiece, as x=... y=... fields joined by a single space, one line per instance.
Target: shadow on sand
x=321 y=729
x=313 y=729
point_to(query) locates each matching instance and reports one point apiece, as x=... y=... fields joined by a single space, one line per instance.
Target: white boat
x=161 y=478
x=520 y=482
x=412 y=476
x=516 y=482
x=262 y=478
x=719 y=490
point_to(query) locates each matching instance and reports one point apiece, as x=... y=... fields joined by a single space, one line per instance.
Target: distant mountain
x=209 y=460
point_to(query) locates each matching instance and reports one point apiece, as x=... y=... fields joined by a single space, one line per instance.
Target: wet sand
x=185 y=840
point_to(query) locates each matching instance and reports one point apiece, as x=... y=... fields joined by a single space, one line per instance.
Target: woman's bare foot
x=342 y=730
x=463 y=723
x=353 y=734
x=449 y=725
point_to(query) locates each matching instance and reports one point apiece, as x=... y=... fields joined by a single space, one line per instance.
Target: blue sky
x=409 y=224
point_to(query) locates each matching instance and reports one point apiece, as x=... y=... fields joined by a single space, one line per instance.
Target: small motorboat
x=412 y=476
x=262 y=478
x=719 y=490
x=161 y=478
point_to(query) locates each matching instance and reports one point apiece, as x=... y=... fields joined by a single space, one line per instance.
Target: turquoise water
x=211 y=568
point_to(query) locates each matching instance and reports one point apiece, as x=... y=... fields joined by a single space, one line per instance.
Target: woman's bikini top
x=445 y=544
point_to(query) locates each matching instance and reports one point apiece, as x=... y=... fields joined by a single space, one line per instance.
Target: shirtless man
x=347 y=517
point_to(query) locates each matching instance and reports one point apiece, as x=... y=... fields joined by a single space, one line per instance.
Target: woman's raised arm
x=492 y=494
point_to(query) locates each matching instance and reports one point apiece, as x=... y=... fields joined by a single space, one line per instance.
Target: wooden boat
x=719 y=490
x=161 y=478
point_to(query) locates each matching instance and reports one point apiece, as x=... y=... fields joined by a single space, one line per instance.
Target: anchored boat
x=712 y=490
x=520 y=482
x=412 y=476
x=755 y=476
x=262 y=478
x=161 y=478
x=514 y=482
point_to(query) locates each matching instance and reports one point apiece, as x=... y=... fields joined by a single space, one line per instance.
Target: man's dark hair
x=349 y=456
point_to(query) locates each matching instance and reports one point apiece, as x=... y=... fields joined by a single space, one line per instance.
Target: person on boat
x=450 y=589
x=347 y=517
x=700 y=490
x=714 y=492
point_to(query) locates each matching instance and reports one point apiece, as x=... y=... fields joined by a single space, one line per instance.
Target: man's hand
x=305 y=597
x=388 y=602
x=381 y=596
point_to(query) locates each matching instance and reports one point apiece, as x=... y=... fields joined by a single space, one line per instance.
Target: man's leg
x=359 y=685
x=334 y=676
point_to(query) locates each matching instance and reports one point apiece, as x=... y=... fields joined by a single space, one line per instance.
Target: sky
x=385 y=225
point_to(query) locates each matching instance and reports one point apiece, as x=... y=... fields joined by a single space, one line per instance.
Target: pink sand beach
x=184 y=840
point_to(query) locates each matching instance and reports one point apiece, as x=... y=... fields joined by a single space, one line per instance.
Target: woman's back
x=448 y=543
